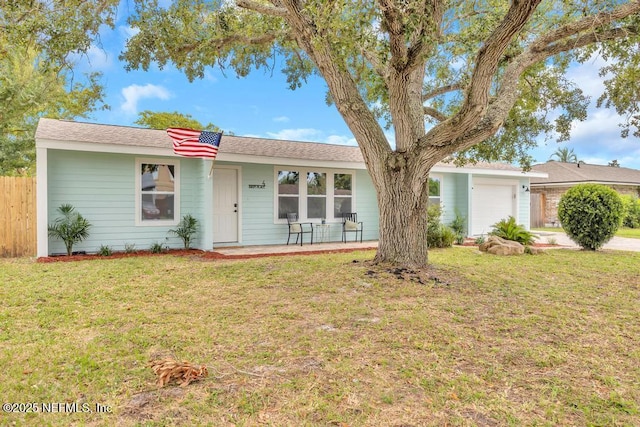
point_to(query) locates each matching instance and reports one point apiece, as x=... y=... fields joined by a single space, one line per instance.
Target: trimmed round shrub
x=590 y=214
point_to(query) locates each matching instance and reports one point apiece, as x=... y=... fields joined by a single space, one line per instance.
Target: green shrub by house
x=508 y=229
x=458 y=226
x=631 y=217
x=590 y=214
x=438 y=235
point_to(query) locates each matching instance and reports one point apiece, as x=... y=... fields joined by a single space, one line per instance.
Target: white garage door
x=491 y=202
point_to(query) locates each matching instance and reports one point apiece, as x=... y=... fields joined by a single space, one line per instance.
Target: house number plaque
x=263 y=185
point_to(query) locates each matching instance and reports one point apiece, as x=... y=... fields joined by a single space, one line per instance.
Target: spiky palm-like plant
x=187 y=227
x=510 y=230
x=71 y=227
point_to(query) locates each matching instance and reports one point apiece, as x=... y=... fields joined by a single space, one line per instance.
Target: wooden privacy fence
x=17 y=216
x=538 y=202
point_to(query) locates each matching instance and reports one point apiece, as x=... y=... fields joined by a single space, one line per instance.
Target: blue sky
x=262 y=105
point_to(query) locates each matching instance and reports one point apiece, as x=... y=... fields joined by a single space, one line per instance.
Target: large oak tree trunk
x=403 y=222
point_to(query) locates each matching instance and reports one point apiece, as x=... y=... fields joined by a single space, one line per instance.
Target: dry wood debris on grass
x=168 y=369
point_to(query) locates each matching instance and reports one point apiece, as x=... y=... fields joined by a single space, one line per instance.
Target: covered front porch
x=264 y=250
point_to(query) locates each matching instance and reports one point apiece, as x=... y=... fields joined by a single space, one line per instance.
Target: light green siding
x=101 y=187
x=258 y=227
x=366 y=207
x=454 y=196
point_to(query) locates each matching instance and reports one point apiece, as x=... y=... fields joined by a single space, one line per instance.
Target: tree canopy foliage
x=468 y=80
x=534 y=42
x=164 y=120
x=37 y=42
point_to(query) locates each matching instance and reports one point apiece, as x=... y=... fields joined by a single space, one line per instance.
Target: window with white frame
x=157 y=201
x=313 y=193
x=288 y=193
x=316 y=195
x=342 y=194
x=435 y=190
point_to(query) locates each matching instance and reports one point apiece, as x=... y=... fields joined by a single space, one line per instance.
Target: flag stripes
x=195 y=143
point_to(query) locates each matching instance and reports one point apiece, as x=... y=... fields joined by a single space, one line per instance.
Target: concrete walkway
x=617 y=243
x=296 y=249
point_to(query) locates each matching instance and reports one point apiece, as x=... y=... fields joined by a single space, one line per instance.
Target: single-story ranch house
x=133 y=189
x=562 y=176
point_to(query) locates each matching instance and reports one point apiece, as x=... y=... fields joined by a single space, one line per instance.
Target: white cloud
x=281 y=119
x=99 y=59
x=599 y=122
x=340 y=140
x=128 y=31
x=134 y=93
x=94 y=59
x=587 y=76
x=310 y=135
x=304 y=134
x=209 y=75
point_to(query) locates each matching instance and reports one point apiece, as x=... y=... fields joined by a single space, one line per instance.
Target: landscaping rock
x=498 y=246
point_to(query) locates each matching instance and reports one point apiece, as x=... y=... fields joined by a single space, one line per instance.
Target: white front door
x=225 y=205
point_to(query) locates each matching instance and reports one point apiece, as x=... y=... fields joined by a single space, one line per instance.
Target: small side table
x=322 y=232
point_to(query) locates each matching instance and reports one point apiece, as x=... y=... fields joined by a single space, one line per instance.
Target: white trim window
x=157 y=192
x=342 y=194
x=313 y=193
x=435 y=190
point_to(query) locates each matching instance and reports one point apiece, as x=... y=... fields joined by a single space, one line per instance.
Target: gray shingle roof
x=91 y=133
x=70 y=131
x=570 y=173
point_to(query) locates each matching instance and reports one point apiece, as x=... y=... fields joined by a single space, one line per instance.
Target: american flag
x=195 y=143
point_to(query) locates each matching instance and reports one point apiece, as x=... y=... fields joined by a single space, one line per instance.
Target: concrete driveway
x=617 y=243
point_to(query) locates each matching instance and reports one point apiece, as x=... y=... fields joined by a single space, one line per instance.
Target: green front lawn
x=326 y=340
x=622 y=232
x=629 y=232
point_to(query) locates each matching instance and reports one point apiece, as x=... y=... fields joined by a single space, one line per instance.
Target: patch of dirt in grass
x=478 y=418
x=145 y=405
x=431 y=275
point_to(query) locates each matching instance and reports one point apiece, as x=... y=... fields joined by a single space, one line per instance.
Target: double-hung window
x=435 y=190
x=313 y=193
x=316 y=195
x=157 y=199
x=288 y=193
x=342 y=194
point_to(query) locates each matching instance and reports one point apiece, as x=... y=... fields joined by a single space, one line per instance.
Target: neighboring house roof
x=567 y=174
x=70 y=135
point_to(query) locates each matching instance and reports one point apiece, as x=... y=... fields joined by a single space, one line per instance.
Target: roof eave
x=486 y=171
x=571 y=183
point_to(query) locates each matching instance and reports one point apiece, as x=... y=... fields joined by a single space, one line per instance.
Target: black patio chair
x=298 y=228
x=350 y=224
